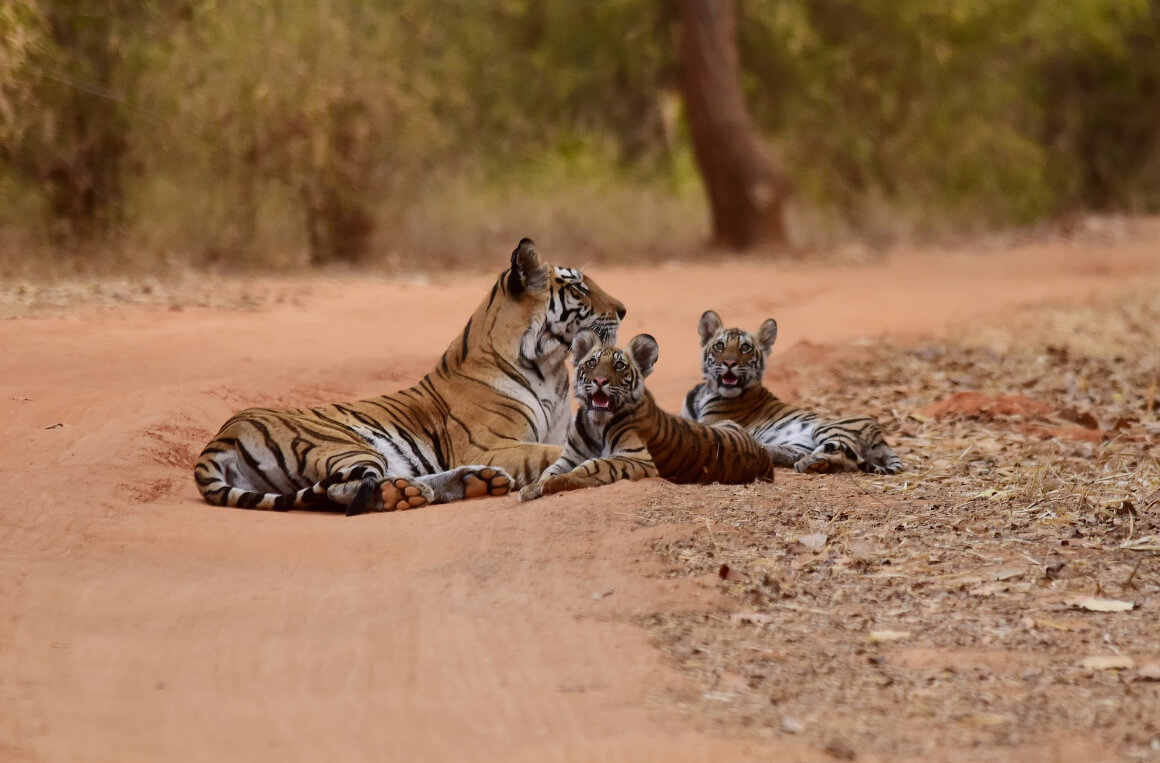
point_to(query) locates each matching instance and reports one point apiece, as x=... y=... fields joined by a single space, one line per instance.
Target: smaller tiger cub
x=619 y=433
x=733 y=362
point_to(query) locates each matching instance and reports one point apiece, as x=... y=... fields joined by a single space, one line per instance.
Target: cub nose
x=621 y=312
x=599 y=382
x=730 y=363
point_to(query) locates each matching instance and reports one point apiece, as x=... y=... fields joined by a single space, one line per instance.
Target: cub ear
x=644 y=351
x=528 y=271
x=767 y=335
x=709 y=326
x=585 y=341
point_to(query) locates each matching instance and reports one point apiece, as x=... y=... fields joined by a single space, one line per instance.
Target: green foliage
x=942 y=109
x=22 y=33
x=291 y=131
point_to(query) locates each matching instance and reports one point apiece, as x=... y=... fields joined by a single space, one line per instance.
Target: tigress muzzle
x=605 y=327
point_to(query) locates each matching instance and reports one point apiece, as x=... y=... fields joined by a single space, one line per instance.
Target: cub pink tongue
x=600 y=399
x=729 y=378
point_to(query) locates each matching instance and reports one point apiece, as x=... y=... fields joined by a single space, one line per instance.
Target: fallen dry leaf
x=1107 y=662
x=1147 y=543
x=1092 y=604
x=1043 y=622
x=754 y=618
x=725 y=572
x=988 y=589
x=986 y=719
x=880 y=636
x=814 y=542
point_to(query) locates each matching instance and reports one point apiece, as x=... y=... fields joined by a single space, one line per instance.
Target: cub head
x=558 y=302
x=733 y=360
x=609 y=379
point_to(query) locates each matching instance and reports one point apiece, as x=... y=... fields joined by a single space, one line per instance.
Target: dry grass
x=944 y=608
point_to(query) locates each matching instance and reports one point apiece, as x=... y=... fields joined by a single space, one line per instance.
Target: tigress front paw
x=400 y=494
x=485 y=481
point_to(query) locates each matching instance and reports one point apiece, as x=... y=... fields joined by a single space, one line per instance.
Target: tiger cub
x=619 y=433
x=733 y=363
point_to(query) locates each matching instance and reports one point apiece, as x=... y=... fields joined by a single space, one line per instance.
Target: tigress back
x=619 y=432
x=492 y=413
x=733 y=363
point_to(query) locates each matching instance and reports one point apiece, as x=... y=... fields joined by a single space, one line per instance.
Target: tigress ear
x=583 y=343
x=528 y=272
x=709 y=326
x=644 y=351
x=767 y=335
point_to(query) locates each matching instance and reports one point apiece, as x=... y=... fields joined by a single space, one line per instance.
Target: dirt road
x=138 y=623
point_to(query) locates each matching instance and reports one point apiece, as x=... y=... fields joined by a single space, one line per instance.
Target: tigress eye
x=620 y=365
x=591 y=362
x=719 y=347
x=747 y=347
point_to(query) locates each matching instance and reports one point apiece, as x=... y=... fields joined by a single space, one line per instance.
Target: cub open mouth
x=601 y=400
x=729 y=379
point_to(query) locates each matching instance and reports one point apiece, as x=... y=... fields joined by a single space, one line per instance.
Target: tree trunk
x=746 y=192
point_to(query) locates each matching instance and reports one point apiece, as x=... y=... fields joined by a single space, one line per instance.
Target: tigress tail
x=215 y=490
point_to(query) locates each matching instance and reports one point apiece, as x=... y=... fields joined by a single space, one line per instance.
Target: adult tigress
x=619 y=433
x=490 y=416
x=733 y=362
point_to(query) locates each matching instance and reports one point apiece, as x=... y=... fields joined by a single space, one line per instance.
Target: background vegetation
x=277 y=133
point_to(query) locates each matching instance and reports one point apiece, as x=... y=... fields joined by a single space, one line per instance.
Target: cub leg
x=830 y=456
x=784 y=455
x=592 y=473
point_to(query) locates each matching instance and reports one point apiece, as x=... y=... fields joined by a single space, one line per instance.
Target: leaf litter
x=995 y=595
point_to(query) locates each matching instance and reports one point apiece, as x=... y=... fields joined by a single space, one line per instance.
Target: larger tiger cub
x=619 y=433
x=733 y=362
x=491 y=415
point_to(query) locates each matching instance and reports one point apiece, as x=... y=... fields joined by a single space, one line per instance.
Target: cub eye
x=591 y=362
x=620 y=365
x=747 y=347
x=719 y=347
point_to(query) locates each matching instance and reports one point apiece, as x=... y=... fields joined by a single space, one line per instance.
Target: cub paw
x=485 y=481
x=813 y=465
x=561 y=483
x=400 y=494
x=558 y=483
x=530 y=493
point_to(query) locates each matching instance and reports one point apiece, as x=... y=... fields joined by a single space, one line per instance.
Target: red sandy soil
x=138 y=623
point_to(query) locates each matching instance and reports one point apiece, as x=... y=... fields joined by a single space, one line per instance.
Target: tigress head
x=559 y=303
x=733 y=360
x=609 y=379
